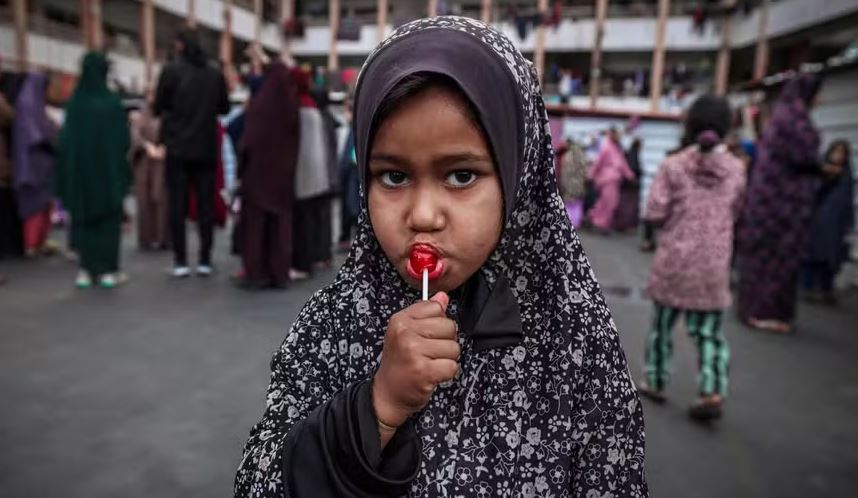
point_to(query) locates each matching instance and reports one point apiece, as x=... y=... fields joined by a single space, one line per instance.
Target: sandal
x=653 y=394
x=704 y=410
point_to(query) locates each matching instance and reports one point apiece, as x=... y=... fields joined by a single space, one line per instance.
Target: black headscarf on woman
x=552 y=411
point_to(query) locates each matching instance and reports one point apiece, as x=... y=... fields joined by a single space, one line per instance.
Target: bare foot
x=776 y=326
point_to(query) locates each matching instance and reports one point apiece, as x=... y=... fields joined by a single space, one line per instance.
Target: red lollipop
x=423 y=264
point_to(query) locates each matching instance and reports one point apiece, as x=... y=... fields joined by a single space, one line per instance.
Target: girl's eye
x=461 y=178
x=393 y=178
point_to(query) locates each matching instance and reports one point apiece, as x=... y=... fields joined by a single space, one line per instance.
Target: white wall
x=61 y=55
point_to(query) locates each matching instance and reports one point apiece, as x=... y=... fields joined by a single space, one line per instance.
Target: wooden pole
x=486 y=11
x=192 y=14
x=381 y=20
x=761 y=58
x=722 y=70
x=596 y=58
x=658 y=55
x=19 y=12
x=148 y=18
x=334 y=18
x=539 y=49
x=432 y=11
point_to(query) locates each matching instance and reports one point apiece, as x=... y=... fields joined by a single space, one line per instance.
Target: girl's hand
x=420 y=352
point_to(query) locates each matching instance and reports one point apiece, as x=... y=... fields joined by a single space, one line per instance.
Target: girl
x=93 y=172
x=150 y=187
x=833 y=220
x=776 y=218
x=511 y=380
x=695 y=199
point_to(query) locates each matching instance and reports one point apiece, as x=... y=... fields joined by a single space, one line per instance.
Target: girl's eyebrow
x=442 y=160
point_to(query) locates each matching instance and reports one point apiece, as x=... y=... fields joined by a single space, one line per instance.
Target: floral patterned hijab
x=550 y=412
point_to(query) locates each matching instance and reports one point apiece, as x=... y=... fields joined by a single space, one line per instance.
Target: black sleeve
x=223 y=95
x=335 y=451
x=164 y=91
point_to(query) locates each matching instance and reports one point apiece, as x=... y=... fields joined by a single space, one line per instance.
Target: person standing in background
x=268 y=158
x=608 y=173
x=150 y=187
x=573 y=180
x=833 y=220
x=311 y=180
x=695 y=199
x=627 y=215
x=323 y=240
x=776 y=216
x=33 y=154
x=10 y=225
x=93 y=172
x=190 y=96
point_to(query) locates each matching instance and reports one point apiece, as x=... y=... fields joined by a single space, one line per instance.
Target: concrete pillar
x=658 y=55
x=486 y=11
x=761 y=58
x=191 y=18
x=722 y=70
x=90 y=22
x=596 y=57
x=381 y=19
x=22 y=48
x=147 y=15
x=334 y=18
x=287 y=13
x=539 y=49
x=432 y=10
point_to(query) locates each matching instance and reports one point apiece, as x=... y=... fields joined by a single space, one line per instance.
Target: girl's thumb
x=441 y=298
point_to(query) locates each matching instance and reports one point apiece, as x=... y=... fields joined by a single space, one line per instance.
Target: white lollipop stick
x=425 y=284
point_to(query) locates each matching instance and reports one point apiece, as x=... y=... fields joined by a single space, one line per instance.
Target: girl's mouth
x=424 y=256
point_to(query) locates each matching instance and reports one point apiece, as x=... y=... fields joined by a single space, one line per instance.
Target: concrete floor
x=150 y=390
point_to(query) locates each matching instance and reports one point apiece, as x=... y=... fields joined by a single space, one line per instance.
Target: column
x=539 y=49
x=381 y=19
x=486 y=11
x=334 y=18
x=596 y=58
x=90 y=22
x=761 y=58
x=287 y=13
x=192 y=14
x=722 y=70
x=432 y=11
x=658 y=55
x=19 y=12
x=148 y=40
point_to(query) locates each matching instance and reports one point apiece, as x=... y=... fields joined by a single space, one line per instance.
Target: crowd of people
x=271 y=165
x=773 y=216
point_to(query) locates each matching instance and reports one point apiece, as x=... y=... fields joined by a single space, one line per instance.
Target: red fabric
x=36 y=229
x=220 y=203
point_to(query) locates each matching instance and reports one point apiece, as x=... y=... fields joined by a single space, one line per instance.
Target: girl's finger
x=440 y=349
x=427 y=309
x=436 y=328
x=442 y=370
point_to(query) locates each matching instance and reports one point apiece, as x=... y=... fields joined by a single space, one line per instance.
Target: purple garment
x=696 y=198
x=776 y=218
x=33 y=137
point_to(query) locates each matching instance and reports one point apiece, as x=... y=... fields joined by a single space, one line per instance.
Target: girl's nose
x=426 y=213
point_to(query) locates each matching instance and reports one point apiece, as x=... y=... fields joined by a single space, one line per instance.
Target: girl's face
x=432 y=181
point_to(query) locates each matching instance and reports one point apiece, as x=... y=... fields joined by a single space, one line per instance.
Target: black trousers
x=183 y=174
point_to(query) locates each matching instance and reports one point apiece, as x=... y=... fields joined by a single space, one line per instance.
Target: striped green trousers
x=704 y=327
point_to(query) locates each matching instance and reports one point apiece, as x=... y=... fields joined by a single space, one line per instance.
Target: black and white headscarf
x=555 y=413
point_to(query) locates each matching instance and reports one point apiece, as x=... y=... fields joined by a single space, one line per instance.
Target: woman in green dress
x=93 y=172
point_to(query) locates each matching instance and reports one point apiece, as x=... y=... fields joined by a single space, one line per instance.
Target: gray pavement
x=149 y=390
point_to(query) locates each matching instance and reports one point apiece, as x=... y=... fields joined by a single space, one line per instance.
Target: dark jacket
x=190 y=96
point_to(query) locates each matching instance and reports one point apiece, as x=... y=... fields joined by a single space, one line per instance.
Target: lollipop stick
x=425 y=284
